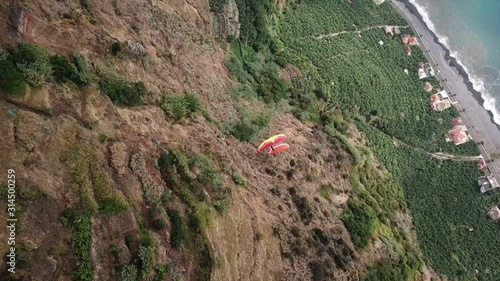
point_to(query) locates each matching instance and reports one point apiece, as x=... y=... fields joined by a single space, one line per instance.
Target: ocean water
x=470 y=29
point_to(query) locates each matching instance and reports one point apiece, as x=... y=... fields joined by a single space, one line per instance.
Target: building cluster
x=408 y=41
x=425 y=71
x=458 y=134
x=488 y=183
x=392 y=29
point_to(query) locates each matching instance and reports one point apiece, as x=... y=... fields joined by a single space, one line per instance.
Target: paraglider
x=279 y=148
x=275 y=143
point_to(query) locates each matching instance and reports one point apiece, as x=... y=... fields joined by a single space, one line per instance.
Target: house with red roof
x=440 y=101
x=459 y=133
x=457 y=122
x=412 y=40
x=409 y=40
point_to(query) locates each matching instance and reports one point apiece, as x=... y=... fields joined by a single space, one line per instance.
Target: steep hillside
x=132 y=127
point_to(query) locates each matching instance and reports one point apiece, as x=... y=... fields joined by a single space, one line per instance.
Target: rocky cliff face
x=227 y=23
x=67 y=144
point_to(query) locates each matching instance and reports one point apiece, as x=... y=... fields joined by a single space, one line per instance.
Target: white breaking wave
x=477 y=83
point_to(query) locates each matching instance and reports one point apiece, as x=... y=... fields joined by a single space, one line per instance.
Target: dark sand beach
x=456 y=81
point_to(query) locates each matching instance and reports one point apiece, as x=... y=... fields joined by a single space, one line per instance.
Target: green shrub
x=83 y=243
x=192 y=103
x=175 y=157
x=122 y=92
x=179 y=229
x=238 y=179
x=63 y=70
x=81 y=77
x=187 y=197
x=217 y=5
x=179 y=107
x=250 y=126
x=161 y=272
x=281 y=59
x=128 y=273
x=271 y=87
x=326 y=192
x=109 y=199
x=254 y=24
x=210 y=175
x=205 y=262
x=89 y=124
x=244 y=91
x=11 y=79
x=80 y=172
x=393 y=270
x=102 y=138
x=237 y=71
x=67 y=217
x=255 y=69
x=32 y=61
x=166 y=196
x=222 y=206
x=194 y=222
x=359 y=219
x=151 y=197
x=159 y=224
x=112 y=205
x=116 y=48
x=147 y=239
x=129 y=241
x=203 y=214
x=147 y=259
x=244 y=131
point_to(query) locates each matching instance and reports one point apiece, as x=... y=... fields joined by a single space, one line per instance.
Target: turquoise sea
x=471 y=31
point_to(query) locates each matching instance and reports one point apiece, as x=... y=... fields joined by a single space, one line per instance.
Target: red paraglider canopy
x=279 y=148
x=272 y=141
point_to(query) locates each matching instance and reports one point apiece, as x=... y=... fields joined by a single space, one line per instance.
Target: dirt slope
x=278 y=226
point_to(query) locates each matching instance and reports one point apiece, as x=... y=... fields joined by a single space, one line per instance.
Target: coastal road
x=477 y=119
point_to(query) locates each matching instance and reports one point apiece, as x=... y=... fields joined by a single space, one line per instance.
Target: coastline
x=453 y=77
x=452 y=61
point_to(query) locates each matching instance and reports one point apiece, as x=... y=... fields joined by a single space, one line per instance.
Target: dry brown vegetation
x=76 y=150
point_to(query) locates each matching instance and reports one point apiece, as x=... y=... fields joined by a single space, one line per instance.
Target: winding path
x=446 y=156
x=356 y=31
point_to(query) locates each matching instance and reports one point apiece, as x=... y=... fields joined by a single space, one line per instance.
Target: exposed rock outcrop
x=227 y=24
